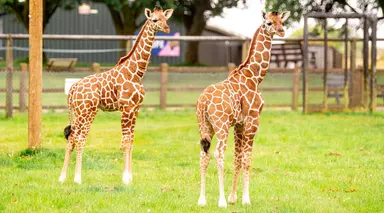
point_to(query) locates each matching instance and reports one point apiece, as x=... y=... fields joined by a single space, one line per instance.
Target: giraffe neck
x=257 y=61
x=137 y=60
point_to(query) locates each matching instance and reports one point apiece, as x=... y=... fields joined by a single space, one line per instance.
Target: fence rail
x=166 y=38
x=164 y=88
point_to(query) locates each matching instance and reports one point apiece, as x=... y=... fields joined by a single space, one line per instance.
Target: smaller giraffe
x=237 y=102
x=117 y=89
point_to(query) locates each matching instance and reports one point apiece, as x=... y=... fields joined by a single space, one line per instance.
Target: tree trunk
x=127 y=30
x=192 y=56
x=194 y=25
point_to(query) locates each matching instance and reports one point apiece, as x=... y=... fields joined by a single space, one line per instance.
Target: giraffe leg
x=83 y=122
x=68 y=152
x=250 y=130
x=79 y=159
x=128 y=121
x=238 y=133
x=204 y=162
x=219 y=154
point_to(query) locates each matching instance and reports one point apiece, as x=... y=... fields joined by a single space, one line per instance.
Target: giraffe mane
x=251 y=49
x=124 y=58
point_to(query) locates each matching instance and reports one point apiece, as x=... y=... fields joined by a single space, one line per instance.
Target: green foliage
x=298 y=7
x=301 y=163
x=21 y=9
x=294 y=6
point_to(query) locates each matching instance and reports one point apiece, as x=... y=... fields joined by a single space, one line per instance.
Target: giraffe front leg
x=128 y=121
x=238 y=136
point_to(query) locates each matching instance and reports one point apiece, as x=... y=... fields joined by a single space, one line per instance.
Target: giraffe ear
x=168 y=13
x=263 y=14
x=284 y=15
x=148 y=13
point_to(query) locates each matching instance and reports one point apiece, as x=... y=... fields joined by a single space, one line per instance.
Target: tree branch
x=353 y=9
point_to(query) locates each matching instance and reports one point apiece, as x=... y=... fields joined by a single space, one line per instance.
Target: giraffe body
x=237 y=102
x=117 y=89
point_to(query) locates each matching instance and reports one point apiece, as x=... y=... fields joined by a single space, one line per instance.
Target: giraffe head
x=158 y=18
x=274 y=22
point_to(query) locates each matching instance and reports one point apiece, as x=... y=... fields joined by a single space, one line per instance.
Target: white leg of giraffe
x=219 y=154
x=238 y=132
x=127 y=172
x=128 y=121
x=206 y=134
x=250 y=130
x=83 y=123
x=68 y=152
x=79 y=160
x=204 y=162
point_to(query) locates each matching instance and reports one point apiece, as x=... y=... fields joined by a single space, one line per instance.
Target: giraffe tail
x=205 y=140
x=67 y=129
x=205 y=144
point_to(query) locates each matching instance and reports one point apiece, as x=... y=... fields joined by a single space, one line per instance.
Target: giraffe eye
x=155 y=20
x=269 y=23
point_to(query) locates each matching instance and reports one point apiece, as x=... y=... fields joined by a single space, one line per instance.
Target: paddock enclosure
x=319 y=147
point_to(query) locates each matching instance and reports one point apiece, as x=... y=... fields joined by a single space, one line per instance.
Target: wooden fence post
x=356 y=87
x=295 y=88
x=231 y=67
x=9 y=61
x=244 y=51
x=163 y=85
x=95 y=67
x=35 y=74
x=23 y=87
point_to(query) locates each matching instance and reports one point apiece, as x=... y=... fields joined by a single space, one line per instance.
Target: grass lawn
x=301 y=163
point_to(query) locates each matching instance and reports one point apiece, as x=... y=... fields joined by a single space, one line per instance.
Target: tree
x=21 y=9
x=126 y=13
x=298 y=7
x=194 y=14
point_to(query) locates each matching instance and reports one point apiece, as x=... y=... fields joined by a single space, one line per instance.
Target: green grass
x=292 y=168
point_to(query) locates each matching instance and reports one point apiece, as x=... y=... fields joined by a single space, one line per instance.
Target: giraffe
x=117 y=89
x=237 y=102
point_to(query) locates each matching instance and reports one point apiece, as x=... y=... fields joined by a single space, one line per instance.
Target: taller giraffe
x=117 y=89
x=237 y=102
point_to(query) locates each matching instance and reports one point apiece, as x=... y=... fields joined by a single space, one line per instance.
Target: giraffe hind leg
x=81 y=127
x=68 y=151
x=206 y=137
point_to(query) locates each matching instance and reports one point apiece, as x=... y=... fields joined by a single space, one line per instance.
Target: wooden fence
x=164 y=88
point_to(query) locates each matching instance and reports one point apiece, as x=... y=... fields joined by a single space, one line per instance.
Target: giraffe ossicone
x=117 y=89
x=237 y=102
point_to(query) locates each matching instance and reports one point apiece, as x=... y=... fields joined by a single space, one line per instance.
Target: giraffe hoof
x=202 y=201
x=62 y=178
x=127 y=179
x=77 y=180
x=246 y=201
x=222 y=203
x=232 y=198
